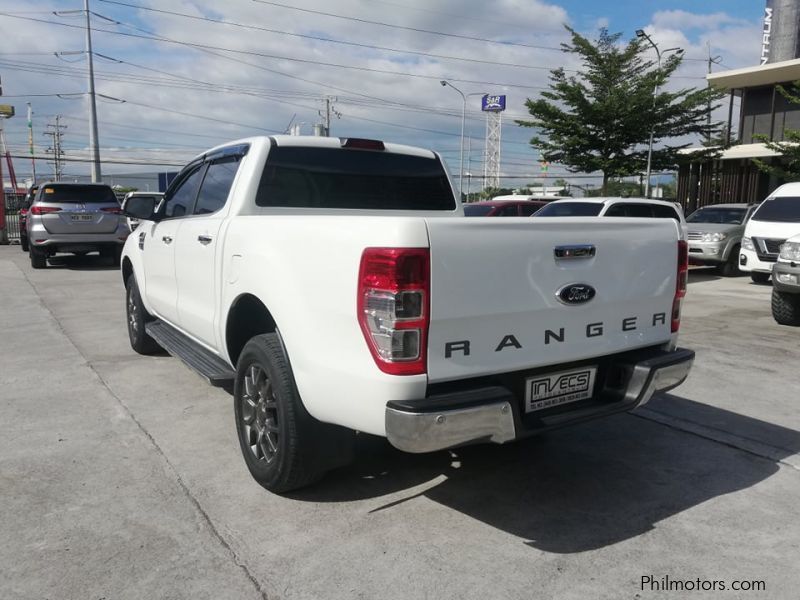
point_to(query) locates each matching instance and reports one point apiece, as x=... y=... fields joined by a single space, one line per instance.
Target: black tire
x=730 y=268
x=23 y=242
x=112 y=255
x=38 y=258
x=284 y=447
x=786 y=308
x=759 y=277
x=137 y=317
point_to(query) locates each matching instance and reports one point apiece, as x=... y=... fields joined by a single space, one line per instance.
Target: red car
x=503 y=208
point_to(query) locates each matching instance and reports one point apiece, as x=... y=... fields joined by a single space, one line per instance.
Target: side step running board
x=205 y=363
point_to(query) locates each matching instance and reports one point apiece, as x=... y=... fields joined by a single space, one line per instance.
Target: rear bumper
x=495 y=413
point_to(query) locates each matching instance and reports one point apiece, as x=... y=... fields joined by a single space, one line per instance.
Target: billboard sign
x=492 y=103
x=6 y=111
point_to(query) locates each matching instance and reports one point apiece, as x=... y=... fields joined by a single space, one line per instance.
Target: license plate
x=81 y=217
x=554 y=389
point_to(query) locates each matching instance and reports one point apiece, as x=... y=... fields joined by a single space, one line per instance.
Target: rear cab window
x=342 y=178
x=783 y=209
x=77 y=194
x=570 y=209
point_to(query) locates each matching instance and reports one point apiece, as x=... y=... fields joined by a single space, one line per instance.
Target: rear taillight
x=112 y=209
x=394 y=307
x=43 y=210
x=680 y=284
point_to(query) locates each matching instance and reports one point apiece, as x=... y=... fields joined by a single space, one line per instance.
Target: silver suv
x=77 y=218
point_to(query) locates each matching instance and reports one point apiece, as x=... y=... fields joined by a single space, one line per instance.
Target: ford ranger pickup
x=336 y=287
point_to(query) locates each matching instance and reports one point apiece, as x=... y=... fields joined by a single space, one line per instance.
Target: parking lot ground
x=121 y=477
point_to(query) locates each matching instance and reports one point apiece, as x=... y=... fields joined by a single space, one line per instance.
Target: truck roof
x=313 y=141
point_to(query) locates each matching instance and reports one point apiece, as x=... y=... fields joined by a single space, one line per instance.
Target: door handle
x=204 y=239
x=166 y=239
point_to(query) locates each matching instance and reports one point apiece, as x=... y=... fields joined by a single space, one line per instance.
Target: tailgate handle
x=573 y=252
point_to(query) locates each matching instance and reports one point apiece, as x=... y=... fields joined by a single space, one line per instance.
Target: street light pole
x=640 y=33
x=461 y=145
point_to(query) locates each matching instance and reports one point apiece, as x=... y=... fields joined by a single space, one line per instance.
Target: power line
x=324 y=39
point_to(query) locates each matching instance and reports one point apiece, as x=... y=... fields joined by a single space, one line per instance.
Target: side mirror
x=140 y=207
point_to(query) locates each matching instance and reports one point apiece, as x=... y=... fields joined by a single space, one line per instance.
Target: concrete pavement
x=121 y=476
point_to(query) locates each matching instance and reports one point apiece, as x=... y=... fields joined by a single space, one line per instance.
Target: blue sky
x=164 y=102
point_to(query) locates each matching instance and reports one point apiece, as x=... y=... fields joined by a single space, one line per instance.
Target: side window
x=509 y=211
x=665 y=212
x=216 y=185
x=617 y=210
x=526 y=210
x=181 y=199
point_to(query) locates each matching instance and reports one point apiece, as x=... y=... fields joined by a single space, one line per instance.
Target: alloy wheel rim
x=260 y=415
x=133 y=321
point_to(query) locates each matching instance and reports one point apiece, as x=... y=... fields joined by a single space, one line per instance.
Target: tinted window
x=733 y=216
x=76 y=193
x=784 y=210
x=342 y=178
x=477 y=210
x=665 y=212
x=181 y=198
x=508 y=211
x=216 y=185
x=526 y=210
x=570 y=209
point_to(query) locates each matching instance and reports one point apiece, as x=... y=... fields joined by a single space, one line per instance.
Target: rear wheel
x=38 y=257
x=112 y=254
x=284 y=447
x=759 y=277
x=730 y=268
x=138 y=317
x=786 y=308
x=23 y=242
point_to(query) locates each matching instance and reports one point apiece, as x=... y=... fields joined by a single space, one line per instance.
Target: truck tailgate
x=494 y=285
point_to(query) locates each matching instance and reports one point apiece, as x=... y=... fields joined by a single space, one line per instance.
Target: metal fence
x=13 y=203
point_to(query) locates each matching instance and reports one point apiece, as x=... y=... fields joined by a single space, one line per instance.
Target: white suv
x=615 y=207
x=773 y=222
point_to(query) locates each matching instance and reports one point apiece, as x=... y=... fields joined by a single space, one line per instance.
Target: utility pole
x=55 y=132
x=329 y=110
x=711 y=61
x=30 y=143
x=93 y=141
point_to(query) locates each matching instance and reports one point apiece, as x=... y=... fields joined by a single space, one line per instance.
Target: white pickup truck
x=336 y=284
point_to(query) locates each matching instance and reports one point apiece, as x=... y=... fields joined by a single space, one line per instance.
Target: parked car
x=614 y=207
x=786 y=283
x=337 y=286
x=774 y=221
x=715 y=235
x=134 y=223
x=503 y=208
x=23 y=217
x=76 y=218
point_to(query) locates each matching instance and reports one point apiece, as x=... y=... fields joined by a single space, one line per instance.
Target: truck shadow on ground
x=572 y=490
x=87 y=262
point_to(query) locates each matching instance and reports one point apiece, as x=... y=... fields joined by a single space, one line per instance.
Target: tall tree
x=600 y=119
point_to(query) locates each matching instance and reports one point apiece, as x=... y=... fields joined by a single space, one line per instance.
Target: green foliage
x=600 y=119
x=617 y=187
x=789 y=167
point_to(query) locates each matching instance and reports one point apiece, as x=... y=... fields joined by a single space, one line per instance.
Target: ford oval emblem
x=575 y=293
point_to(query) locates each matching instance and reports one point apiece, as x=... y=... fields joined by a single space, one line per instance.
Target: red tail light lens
x=43 y=210
x=681 y=284
x=394 y=306
x=112 y=209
